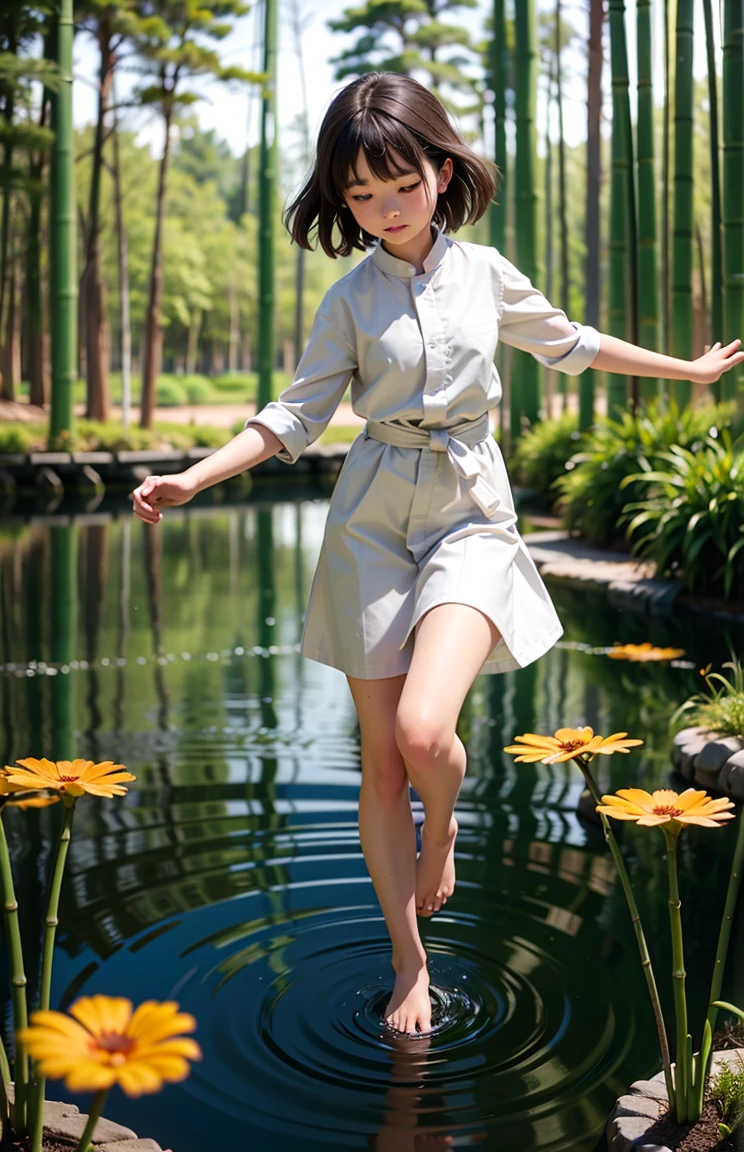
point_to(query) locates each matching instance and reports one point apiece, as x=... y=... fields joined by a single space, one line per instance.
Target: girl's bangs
x=377 y=136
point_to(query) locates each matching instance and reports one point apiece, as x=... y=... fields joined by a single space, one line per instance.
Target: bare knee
x=383 y=770
x=421 y=736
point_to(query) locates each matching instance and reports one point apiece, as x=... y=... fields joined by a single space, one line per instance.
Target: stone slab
x=144 y=1145
x=732 y=776
x=716 y=752
x=637 y=1105
x=71 y=1125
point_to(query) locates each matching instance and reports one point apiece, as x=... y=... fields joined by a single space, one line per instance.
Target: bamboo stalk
x=17 y=981
x=681 y=390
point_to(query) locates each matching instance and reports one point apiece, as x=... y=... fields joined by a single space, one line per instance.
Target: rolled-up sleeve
x=527 y=320
x=304 y=409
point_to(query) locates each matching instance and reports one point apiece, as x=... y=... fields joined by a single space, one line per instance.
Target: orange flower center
x=572 y=745
x=668 y=810
x=114 y=1043
x=69 y=779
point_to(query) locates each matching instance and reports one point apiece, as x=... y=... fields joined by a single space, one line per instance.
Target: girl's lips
x=396 y=228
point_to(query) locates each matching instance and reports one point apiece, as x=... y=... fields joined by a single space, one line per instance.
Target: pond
x=231 y=879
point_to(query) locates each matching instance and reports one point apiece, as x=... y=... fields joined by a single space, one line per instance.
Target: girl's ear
x=445 y=175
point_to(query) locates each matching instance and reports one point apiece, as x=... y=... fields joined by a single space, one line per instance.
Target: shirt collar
x=397 y=267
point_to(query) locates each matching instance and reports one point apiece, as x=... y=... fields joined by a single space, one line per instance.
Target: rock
x=69 y=1126
x=656 y=1088
x=688 y=754
x=712 y=757
x=130 y=1146
x=625 y=1132
x=683 y=737
x=636 y=1105
x=731 y=779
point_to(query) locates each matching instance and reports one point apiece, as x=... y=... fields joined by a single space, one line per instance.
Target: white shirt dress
x=422 y=512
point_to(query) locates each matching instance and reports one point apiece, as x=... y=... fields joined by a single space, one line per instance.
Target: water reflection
x=231 y=877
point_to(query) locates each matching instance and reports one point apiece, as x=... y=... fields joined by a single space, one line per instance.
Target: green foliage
x=541 y=453
x=169 y=393
x=689 y=517
x=591 y=497
x=727 y=1088
x=722 y=709
x=198 y=390
x=18 y=437
x=94 y=436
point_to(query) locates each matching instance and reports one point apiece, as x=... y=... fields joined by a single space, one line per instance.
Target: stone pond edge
x=65 y=1123
x=635 y=1114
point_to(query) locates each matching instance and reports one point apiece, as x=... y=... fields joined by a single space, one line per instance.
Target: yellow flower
x=106 y=1043
x=32 y=802
x=666 y=807
x=567 y=744
x=642 y=653
x=72 y=777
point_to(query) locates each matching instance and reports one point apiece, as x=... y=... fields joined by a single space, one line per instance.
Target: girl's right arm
x=250 y=447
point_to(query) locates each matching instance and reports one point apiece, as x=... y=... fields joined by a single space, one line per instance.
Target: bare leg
x=389 y=845
x=453 y=642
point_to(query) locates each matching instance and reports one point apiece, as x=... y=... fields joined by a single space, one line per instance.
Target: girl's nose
x=391 y=210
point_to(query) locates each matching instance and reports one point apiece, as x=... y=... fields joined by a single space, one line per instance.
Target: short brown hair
x=380 y=112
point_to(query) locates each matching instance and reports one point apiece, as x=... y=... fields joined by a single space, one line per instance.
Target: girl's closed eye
x=363 y=197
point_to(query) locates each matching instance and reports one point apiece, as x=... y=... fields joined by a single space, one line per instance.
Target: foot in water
x=435 y=871
x=409 y=1008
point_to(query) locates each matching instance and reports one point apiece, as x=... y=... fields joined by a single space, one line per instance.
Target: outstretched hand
x=716 y=360
x=158 y=492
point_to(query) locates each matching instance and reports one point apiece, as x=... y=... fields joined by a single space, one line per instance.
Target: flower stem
x=724 y=936
x=96 y=1109
x=50 y=931
x=685 y=1102
x=17 y=981
x=635 y=917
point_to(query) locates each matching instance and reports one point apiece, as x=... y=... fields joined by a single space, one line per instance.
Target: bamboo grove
x=115 y=259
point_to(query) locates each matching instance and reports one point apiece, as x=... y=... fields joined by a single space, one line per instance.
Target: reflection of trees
x=153 y=538
x=123 y=623
x=63 y=623
x=95 y=558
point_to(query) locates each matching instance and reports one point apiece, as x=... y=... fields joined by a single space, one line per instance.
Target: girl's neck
x=414 y=250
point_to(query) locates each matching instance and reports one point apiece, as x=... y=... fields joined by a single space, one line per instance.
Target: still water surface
x=231 y=878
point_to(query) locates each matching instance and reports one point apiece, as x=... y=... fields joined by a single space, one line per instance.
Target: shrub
x=689 y=518
x=169 y=393
x=198 y=389
x=727 y=1087
x=16 y=437
x=541 y=453
x=722 y=710
x=591 y=497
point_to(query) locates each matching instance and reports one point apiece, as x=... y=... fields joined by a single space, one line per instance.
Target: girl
x=423 y=580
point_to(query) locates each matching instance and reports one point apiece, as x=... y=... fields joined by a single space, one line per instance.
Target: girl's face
x=395 y=210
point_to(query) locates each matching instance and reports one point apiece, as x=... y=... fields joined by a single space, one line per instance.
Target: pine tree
x=174 y=40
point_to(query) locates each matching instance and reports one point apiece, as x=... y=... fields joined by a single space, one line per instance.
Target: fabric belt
x=456 y=442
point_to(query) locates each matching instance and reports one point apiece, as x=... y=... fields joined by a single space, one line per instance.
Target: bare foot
x=410 y=1006
x=435 y=871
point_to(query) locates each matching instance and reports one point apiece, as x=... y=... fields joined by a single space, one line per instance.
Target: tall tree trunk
x=548 y=226
x=499 y=68
x=38 y=375
x=716 y=282
x=526 y=374
x=234 y=340
x=96 y=326
x=300 y=274
x=562 y=213
x=622 y=172
x=648 y=317
x=593 y=182
x=10 y=366
x=665 y=172
x=733 y=182
x=63 y=297
x=153 y=350
x=5 y=218
x=267 y=196
x=192 y=343
x=123 y=253
x=681 y=390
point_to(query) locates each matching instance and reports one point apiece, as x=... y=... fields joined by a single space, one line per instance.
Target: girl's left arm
x=629 y=360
